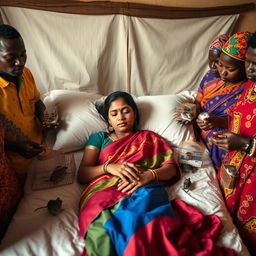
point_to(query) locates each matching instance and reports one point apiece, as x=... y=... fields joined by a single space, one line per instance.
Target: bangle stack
x=251 y=147
x=154 y=173
x=105 y=167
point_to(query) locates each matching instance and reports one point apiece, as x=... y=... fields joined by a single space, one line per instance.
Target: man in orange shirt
x=19 y=102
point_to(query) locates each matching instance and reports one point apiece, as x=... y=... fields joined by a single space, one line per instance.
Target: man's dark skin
x=12 y=62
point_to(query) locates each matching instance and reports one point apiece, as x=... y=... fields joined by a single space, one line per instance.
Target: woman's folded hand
x=131 y=185
x=125 y=171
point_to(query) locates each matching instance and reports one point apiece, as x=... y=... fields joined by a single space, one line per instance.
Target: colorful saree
x=241 y=201
x=144 y=223
x=217 y=99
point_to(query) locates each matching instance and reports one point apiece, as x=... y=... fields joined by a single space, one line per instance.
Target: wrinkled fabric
x=146 y=222
x=217 y=99
x=241 y=200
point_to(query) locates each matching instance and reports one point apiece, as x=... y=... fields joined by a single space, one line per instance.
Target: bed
x=39 y=233
x=146 y=50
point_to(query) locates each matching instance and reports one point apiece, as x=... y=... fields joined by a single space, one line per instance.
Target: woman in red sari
x=240 y=141
x=124 y=209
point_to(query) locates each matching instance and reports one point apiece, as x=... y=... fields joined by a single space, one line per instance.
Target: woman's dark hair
x=104 y=107
x=252 y=41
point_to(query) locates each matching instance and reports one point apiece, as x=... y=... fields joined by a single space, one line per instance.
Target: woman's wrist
x=105 y=166
x=154 y=174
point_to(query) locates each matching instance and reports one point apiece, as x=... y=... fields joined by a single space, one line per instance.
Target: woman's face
x=230 y=69
x=250 y=64
x=213 y=58
x=121 y=116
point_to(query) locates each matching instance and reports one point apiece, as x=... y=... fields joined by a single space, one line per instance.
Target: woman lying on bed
x=124 y=209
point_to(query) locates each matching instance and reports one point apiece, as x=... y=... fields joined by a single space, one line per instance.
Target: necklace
x=112 y=137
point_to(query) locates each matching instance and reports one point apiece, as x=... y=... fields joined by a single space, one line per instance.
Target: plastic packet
x=51 y=115
x=186 y=111
x=190 y=155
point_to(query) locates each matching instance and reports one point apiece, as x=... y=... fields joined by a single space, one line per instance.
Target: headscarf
x=237 y=44
x=218 y=42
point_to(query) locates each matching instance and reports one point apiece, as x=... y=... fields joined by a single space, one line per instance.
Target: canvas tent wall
x=145 y=48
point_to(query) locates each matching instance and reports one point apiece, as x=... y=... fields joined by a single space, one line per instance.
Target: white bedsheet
x=39 y=233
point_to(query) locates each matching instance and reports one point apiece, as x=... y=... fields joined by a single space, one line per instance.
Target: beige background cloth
x=105 y=53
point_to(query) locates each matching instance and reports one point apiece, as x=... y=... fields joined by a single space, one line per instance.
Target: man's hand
x=25 y=148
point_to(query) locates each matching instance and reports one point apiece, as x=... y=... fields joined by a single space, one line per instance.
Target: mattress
x=39 y=233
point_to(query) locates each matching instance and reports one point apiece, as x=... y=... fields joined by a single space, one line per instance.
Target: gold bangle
x=105 y=167
x=154 y=173
x=157 y=178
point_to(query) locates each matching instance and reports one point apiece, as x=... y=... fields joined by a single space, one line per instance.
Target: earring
x=110 y=128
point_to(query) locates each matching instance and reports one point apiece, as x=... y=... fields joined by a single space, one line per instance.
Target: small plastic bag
x=190 y=155
x=228 y=176
x=186 y=112
x=203 y=116
x=51 y=116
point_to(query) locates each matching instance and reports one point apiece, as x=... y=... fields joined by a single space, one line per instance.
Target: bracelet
x=105 y=167
x=155 y=174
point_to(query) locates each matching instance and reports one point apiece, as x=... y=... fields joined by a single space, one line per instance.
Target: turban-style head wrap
x=237 y=44
x=218 y=42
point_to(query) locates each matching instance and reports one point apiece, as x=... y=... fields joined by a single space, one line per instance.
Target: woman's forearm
x=88 y=173
x=167 y=172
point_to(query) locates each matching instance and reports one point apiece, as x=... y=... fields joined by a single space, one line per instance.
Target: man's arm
x=39 y=110
x=25 y=148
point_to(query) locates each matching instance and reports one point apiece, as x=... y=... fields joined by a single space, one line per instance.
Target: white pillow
x=158 y=114
x=79 y=118
x=77 y=115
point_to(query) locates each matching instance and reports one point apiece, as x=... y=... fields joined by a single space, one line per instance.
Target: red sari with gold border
x=146 y=222
x=241 y=201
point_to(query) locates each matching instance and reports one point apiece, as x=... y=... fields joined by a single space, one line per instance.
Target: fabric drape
x=144 y=223
x=216 y=98
x=241 y=200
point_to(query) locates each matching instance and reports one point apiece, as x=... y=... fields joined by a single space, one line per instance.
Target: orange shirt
x=18 y=105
